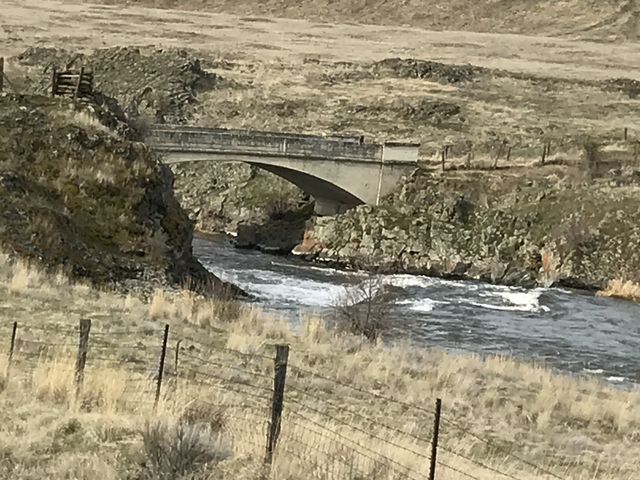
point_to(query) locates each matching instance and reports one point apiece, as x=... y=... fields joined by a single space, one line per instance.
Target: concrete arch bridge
x=339 y=172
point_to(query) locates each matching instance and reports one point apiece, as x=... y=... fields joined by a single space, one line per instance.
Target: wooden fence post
x=12 y=346
x=544 y=153
x=434 y=441
x=509 y=155
x=444 y=157
x=279 y=381
x=1 y=74
x=163 y=356
x=54 y=82
x=626 y=130
x=83 y=349
x=77 y=90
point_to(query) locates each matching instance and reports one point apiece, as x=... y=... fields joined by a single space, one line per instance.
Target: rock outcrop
x=77 y=197
x=259 y=209
x=523 y=233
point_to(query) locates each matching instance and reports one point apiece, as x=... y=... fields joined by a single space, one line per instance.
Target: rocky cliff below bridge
x=511 y=231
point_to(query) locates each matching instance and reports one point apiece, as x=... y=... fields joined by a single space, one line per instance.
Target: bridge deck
x=268 y=144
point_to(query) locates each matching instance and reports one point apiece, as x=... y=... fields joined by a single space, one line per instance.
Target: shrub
x=177 y=450
x=199 y=413
x=364 y=309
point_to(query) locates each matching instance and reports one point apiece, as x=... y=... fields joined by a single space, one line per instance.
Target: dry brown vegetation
x=589 y=18
x=619 y=288
x=289 y=75
x=579 y=428
x=320 y=78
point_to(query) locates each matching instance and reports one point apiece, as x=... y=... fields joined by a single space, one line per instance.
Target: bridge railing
x=358 y=139
x=246 y=142
x=260 y=144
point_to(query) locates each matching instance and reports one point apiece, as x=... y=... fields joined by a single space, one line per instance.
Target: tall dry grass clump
x=23 y=277
x=624 y=289
x=189 y=307
x=54 y=380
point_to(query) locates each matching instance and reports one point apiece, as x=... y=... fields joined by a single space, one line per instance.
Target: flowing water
x=567 y=330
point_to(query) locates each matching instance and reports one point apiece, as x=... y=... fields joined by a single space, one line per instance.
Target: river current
x=570 y=331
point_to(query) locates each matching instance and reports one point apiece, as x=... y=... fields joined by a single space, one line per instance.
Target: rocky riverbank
x=79 y=198
x=512 y=231
x=255 y=207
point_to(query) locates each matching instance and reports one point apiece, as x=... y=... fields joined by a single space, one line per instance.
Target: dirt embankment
x=152 y=84
x=78 y=197
x=609 y=18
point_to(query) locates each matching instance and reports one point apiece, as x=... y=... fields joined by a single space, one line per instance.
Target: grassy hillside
x=79 y=198
x=617 y=18
x=347 y=402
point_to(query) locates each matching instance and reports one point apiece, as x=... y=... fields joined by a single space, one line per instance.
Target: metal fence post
x=163 y=356
x=434 y=441
x=1 y=74
x=12 y=347
x=279 y=381
x=83 y=349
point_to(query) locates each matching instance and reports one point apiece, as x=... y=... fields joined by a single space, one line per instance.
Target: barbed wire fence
x=270 y=408
x=585 y=152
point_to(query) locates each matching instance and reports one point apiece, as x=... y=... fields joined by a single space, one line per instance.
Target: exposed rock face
x=261 y=210
x=77 y=197
x=535 y=234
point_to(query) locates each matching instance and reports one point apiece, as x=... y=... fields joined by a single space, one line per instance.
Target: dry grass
x=580 y=428
x=291 y=75
x=70 y=23
x=24 y=278
x=619 y=288
x=85 y=120
x=525 y=16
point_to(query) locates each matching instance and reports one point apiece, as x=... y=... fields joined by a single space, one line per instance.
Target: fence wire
x=323 y=437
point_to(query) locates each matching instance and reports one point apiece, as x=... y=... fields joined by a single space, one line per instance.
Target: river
x=569 y=331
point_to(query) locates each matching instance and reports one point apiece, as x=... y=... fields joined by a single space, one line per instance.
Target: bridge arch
x=338 y=172
x=329 y=198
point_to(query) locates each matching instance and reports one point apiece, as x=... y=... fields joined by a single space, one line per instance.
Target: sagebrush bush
x=175 y=450
x=200 y=413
